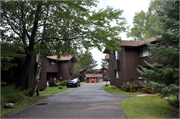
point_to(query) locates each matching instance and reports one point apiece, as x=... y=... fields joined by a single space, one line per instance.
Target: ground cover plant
x=10 y=94
x=148 y=107
x=53 y=90
x=115 y=90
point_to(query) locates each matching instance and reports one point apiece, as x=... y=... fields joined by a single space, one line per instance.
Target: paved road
x=88 y=101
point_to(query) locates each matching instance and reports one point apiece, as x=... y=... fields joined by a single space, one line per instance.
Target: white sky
x=129 y=7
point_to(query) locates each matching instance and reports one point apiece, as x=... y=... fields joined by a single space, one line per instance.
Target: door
x=95 y=80
x=92 y=80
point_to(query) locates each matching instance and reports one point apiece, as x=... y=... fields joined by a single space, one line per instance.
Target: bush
x=85 y=81
x=57 y=83
x=148 y=88
x=63 y=83
x=11 y=94
x=129 y=86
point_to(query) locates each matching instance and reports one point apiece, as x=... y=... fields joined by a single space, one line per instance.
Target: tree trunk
x=33 y=90
x=24 y=72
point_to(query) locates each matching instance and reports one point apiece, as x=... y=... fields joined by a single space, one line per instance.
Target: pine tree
x=164 y=73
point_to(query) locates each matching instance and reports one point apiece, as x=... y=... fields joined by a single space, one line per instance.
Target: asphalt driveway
x=88 y=101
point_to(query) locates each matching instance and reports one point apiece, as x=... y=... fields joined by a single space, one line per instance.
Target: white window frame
x=116 y=55
x=116 y=73
x=145 y=51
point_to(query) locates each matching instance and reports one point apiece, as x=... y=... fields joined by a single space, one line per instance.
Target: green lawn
x=53 y=90
x=148 y=107
x=115 y=90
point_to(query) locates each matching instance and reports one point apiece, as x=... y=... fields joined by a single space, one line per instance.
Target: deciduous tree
x=70 y=25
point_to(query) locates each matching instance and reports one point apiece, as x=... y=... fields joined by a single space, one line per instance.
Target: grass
x=149 y=107
x=115 y=90
x=19 y=99
x=53 y=90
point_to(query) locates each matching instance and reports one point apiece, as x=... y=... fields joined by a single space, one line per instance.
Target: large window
x=116 y=73
x=70 y=64
x=145 y=52
x=116 y=55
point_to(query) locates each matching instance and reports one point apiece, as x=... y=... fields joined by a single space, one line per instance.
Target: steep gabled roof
x=93 y=75
x=66 y=58
x=136 y=43
x=133 y=43
x=104 y=68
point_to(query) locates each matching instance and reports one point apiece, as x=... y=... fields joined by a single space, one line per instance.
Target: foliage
x=174 y=101
x=116 y=90
x=61 y=83
x=57 y=83
x=67 y=27
x=148 y=88
x=11 y=94
x=85 y=61
x=165 y=71
x=129 y=86
x=142 y=22
x=148 y=107
x=20 y=104
x=85 y=81
x=9 y=53
x=104 y=63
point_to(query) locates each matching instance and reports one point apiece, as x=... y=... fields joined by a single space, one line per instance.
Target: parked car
x=73 y=82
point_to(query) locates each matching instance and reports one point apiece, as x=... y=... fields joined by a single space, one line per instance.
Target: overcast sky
x=129 y=7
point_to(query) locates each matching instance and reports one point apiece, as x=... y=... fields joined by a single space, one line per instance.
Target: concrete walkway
x=88 y=101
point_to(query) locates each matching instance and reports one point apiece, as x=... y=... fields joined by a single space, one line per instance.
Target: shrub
x=129 y=86
x=63 y=83
x=11 y=94
x=85 y=81
x=148 y=88
x=57 y=83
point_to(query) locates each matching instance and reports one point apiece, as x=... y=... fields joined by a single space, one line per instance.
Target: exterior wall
x=64 y=71
x=132 y=62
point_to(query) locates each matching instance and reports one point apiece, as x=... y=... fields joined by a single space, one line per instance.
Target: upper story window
x=116 y=73
x=84 y=73
x=70 y=64
x=116 y=55
x=145 y=52
x=104 y=71
x=53 y=63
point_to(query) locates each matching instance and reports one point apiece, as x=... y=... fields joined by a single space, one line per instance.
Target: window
x=116 y=73
x=145 y=52
x=70 y=64
x=116 y=55
x=53 y=63
x=70 y=76
x=37 y=57
x=104 y=71
x=84 y=73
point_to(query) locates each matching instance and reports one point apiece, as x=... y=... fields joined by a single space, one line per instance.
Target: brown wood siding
x=64 y=70
x=111 y=69
x=52 y=69
x=132 y=62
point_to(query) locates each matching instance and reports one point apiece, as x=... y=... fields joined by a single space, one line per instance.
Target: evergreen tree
x=85 y=61
x=104 y=63
x=164 y=73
